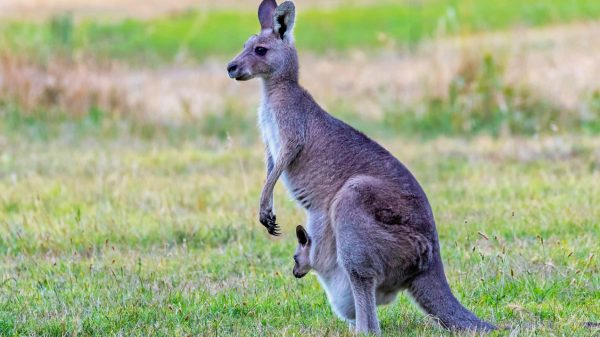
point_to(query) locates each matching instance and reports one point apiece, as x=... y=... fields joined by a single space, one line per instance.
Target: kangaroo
x=372 y=232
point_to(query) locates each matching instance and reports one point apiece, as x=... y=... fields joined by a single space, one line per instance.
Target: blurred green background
x=477 y=94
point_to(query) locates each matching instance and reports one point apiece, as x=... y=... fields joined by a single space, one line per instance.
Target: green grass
x=111 y=226
x=197 y=35
x=139 y=236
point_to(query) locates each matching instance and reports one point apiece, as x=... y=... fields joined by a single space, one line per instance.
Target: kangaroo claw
x=268 y=219
x=274 y=230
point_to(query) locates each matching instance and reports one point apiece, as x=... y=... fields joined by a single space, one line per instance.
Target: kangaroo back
x=432 y=292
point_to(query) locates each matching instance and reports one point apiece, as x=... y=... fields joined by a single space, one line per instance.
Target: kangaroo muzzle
x=236 y=71
x=232 y=69
x=298 y=274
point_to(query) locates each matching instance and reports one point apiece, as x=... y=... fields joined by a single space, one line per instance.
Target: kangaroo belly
x=301 y=192
x=313 y=184
x=339 y=294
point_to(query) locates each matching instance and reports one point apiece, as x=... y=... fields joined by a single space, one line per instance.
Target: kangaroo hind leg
x=365 y=305
x=356 y=254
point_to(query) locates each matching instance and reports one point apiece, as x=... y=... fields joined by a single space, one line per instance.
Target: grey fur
x=371 y=229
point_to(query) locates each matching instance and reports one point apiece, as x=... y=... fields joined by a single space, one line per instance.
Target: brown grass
x=557 y=64
x=61 y=86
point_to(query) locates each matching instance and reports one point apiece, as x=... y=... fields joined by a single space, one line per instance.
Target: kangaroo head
x=270 y=54
x=302 y=254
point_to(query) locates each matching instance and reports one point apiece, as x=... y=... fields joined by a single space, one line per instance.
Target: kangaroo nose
x=231 y=67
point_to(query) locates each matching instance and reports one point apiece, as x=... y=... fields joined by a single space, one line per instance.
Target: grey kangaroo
x=370 y=229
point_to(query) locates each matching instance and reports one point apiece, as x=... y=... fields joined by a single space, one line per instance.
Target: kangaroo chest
x=270 y=131
x=269 y=127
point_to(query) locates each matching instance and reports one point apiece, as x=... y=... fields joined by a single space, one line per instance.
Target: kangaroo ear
x=302 y=236
x=265 y=13
x=284 y=19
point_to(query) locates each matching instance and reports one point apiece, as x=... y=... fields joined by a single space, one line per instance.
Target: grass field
x=159 y=237
x=130 y=166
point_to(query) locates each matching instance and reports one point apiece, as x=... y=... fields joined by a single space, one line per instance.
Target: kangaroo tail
x=431 y=291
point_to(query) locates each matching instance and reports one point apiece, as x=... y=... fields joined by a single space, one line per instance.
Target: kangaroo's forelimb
x=287 y=154
x=270 y=164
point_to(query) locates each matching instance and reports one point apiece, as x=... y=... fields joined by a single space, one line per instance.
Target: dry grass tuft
x=60 y=86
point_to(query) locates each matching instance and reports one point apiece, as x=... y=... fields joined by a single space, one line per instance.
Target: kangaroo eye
x=261 y=51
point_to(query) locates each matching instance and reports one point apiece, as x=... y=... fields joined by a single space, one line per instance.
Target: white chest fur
x=269 y=129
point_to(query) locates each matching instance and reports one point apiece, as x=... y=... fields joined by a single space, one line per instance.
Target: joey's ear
x=283 y=21
x=266 y=11
x=302 y=236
